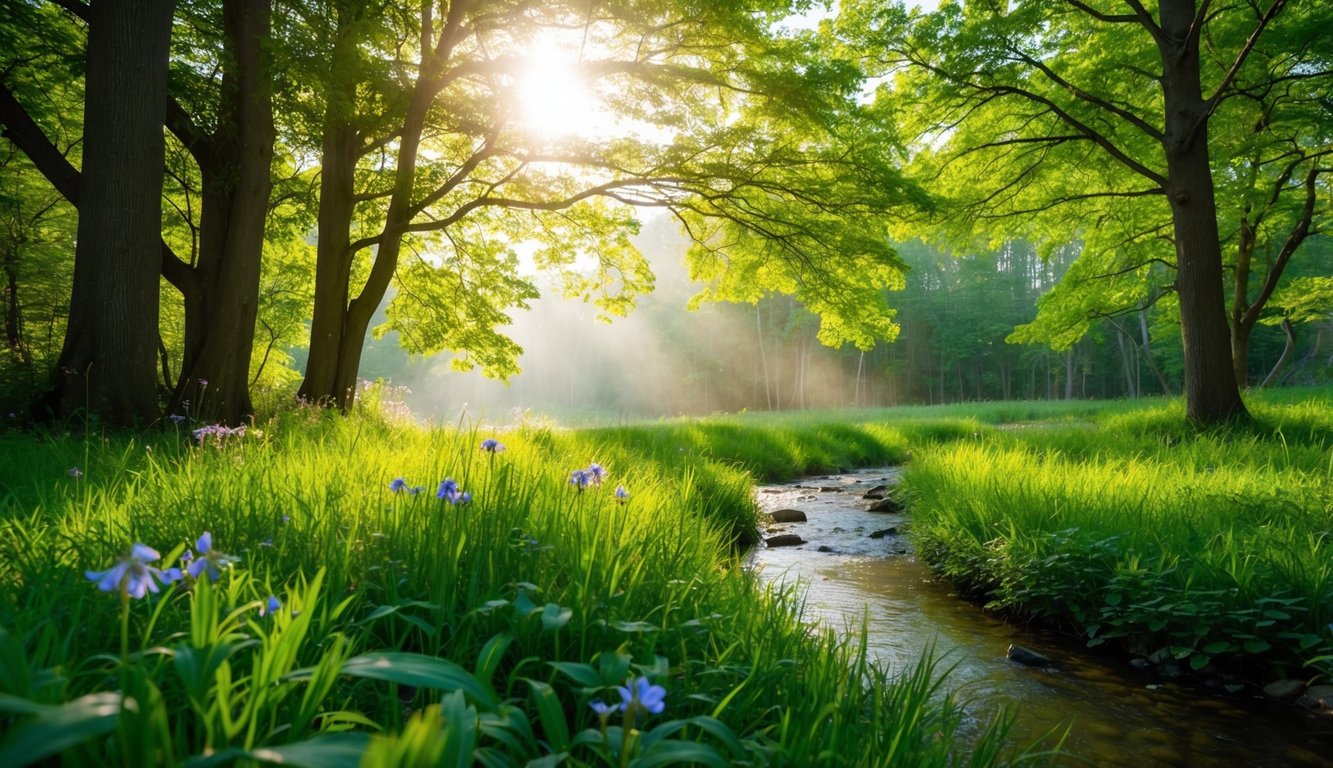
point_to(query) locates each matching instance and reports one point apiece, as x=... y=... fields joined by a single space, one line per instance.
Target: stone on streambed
x=1285 y=690
x=788 y=516
x=884 y=532
x=784 y=540
x=886 y=505
x=1320 y=696
x=1028 y=657
x=826 y=548
x=878 y=492
x=829 y=489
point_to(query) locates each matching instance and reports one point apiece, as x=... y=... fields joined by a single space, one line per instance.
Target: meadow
x=373 y=592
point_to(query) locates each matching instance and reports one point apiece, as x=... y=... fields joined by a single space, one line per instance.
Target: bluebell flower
x=177 y=418
x=642 y=695
x=398 y=485
x=622 y=495
x=133 y=577
x=209 y=559
x=450 y=492
x=603 y=710
x=271 y=607
x=415 y=490
x=595 y=473
x=579 y=479
x=74 y=472
x=491 y=445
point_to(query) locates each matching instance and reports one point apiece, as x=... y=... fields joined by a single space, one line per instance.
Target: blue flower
x=622 y=495
x=491 y=445
x=74 y=472
x=595 y=473
x=398 y=485
x=271 y=608
x=579 y=479
x=209 y=559
x=415 y=490
x=133 y=576
x=603 y=710
x=177 y=418
x=450 y=492
x=642 y=695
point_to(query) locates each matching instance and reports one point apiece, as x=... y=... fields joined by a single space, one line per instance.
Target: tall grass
x=1212 y=549
x=362 y=624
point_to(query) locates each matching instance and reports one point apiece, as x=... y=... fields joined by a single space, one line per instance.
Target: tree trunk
x=1211 y=393
x=1287 y=352
x=235 y=166
x=13 y=308
x=108 y=363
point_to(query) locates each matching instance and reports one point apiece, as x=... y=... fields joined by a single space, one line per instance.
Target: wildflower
x=177 y=418
x=491 y=445
x=579 y=479
x=642 y=695
x=209 y=559
x=133 y=577
x=622 y=495
x=286 y=519
x=74 y=472
x=398 y=485
x=203 y=382
x=415 y=490
x=595 y=473
x=271 y=608
x=603 y=710
x=450 y=492
x=217 y=431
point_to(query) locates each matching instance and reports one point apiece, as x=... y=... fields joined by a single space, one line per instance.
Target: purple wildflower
x=642 y=695
x=74 y=472
x=491 y=445
x=622 y=495
x=595 y=473
x=450 y=492
x=209 y=559
x=133 y=577
x=398 y=485
x=579 y=479
x=270 y=608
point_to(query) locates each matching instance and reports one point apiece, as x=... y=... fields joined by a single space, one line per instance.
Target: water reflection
x=1120 y=716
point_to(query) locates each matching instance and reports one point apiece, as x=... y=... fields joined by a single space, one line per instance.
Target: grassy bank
x=353 y=622
x=1209 y=550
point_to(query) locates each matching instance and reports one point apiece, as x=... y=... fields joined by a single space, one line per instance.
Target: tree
x=107 y=364
x=1088 y=122
x=428 y=180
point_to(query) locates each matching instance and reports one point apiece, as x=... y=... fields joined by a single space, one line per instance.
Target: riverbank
x=364 y=589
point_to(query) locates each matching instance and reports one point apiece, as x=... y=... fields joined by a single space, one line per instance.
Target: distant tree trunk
x=1211 y=393
x=13 y=308
x=1287 y=352
x=1069 y=374
x=108 y=363
x=235 y=162
x=1126 y=363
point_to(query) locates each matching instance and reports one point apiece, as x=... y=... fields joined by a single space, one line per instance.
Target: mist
x=661 y=360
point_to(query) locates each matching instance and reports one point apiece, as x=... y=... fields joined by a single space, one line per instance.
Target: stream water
x=1120 y=716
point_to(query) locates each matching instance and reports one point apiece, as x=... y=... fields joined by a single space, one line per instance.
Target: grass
x=1214 y=550
x=411 y=631
x=408 y=630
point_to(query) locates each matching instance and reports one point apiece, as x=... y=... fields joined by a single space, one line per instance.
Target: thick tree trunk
x=108 y=363
x=1211 y=393
x=236 y=169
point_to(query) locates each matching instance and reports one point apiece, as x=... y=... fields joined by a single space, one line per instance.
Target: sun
x=556 y=102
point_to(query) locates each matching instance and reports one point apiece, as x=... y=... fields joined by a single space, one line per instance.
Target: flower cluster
x=450 y=492
x=217 y=432
x=132 y=576
x=208 y=560
x=638 y=696
x=399 y=485
x=582 y=478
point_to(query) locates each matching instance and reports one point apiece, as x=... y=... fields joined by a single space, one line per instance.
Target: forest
x=495 y=381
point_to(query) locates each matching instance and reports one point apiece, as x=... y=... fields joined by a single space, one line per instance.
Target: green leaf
x=52 y=730
x=552 y=716
x=583 y=674
x=1221 y=646
x=665 y=753
x=1200 y=660
x=555 y=617
x=329 y=750
x=1257 y=645
x=416 y=670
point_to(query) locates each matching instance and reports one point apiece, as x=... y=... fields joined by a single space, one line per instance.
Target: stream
x=1121 y=716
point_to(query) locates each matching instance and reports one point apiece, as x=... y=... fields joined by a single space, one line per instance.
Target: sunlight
x=555 y=101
